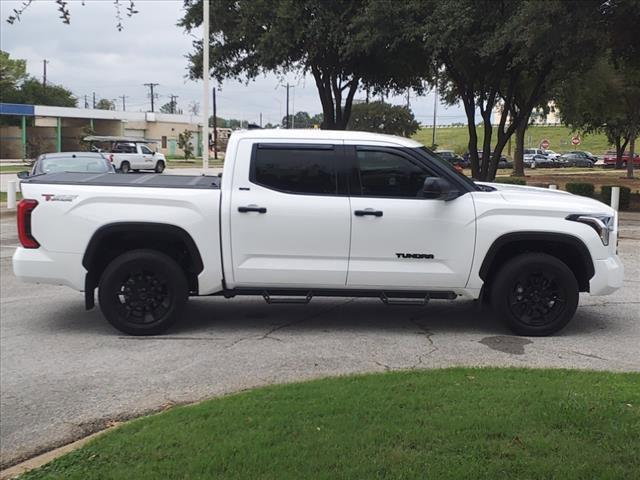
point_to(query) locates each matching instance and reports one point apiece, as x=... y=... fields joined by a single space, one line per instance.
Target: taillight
x=25 y=207
x=111 y=158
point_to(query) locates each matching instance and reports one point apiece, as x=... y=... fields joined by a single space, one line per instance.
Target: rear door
x=399 y=239
x=290 y=218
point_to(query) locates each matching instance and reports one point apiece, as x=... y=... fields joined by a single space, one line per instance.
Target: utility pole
x=173 y=102
x=215 y=126
x=260 y=119
x=151 y=94
x=408 y=102
x=205 y=85
x=44 y=73
x=94 y=99
x=124 y=107
x=435 y=109
x=86 y=102
x=366 y=100
x=287 y=114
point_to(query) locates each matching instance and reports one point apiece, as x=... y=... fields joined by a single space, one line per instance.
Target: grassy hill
x=457 y=138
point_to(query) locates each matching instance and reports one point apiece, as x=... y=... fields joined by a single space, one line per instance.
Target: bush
x=583 y=189
x=625 y=196
x=511 y=180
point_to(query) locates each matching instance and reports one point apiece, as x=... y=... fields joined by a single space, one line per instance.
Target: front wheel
x=535 y=293
x=143 y=292
x=159 y=166
x=125 y=167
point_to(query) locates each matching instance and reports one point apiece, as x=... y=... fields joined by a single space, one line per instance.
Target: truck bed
x=130 y=180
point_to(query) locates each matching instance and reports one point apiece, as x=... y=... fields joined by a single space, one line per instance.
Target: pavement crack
x=383 y=365
x=590 y=355
x=428 y=334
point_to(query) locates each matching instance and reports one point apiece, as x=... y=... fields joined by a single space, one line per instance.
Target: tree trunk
x=518 y=156
x=632 y=147
x=470 y=110
x=486 y=145
x=620 y=148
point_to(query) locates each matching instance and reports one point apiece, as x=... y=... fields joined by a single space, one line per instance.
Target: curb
x=44 y=458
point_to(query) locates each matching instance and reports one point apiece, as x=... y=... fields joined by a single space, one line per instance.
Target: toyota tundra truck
x=309 y=213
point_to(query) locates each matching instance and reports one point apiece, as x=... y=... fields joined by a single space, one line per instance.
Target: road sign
x=544 y=144
x=575 y=140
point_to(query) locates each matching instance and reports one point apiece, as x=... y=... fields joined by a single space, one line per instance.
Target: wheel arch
x=569 y=249
x=113 y=239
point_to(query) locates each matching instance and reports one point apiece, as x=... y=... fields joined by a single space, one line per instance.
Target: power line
x=151 y=94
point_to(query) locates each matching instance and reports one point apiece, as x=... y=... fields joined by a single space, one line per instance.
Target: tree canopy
x=343 y=44
x=380 y=117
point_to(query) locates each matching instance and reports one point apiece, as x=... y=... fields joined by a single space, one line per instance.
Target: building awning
x=16 y=109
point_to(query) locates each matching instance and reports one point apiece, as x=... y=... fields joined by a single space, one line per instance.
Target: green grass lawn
x=437 y=424
x=13 y=168
x=457 y=138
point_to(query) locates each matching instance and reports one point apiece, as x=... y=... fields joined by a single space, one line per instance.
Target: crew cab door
x=145 y=158
x=400 y=239
x=290 y=218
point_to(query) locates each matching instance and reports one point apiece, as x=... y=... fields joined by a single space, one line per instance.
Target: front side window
x=293 y=170
x=144 y=149
x=386 y=174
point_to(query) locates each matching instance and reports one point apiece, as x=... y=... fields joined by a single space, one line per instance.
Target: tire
x=124 y=292
x=159 y=166
x=125 y=167
x=535 y=294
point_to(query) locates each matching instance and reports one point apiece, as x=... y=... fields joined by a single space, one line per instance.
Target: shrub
x=511 y=180
x=625 y=196
x=584 y=189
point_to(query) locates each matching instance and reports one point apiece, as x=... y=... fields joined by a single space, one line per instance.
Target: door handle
x=252 y=209
x=368 y=211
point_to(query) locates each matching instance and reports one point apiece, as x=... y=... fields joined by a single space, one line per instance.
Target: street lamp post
x=205 y=86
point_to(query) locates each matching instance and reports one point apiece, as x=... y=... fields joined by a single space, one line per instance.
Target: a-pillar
x=24 y=137
x=59 y=135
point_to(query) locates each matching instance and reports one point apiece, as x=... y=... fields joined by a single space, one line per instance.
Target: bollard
x=553 y=187
x=11 y=194
x=615 y=198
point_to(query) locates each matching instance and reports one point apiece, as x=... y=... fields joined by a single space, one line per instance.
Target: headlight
x=601 y=223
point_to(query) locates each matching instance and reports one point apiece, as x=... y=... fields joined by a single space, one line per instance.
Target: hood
x=546 y=199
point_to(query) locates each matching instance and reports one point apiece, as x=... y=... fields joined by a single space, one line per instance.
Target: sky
x=90 y=55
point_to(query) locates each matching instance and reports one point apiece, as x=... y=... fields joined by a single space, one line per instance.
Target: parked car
x=296 y=216
x=129 y=154
x=537 y=160
x=610 y=159
x=69 y=162
x=551 y=154
x=575 y=160
x=588 y=155
x=502 y=163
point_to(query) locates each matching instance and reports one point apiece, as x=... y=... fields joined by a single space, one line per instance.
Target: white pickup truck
x=127 y=156
x=299 y=214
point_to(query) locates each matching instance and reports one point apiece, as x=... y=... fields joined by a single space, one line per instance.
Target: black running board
x=304 y=296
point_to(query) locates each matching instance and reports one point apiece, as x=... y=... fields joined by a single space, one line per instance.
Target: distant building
x=29 y=129
x=537 y=118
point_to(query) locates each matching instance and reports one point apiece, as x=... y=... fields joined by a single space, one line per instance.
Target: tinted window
x=145 y=150
x=385 y=174
x=296 y=170
x=73 y=164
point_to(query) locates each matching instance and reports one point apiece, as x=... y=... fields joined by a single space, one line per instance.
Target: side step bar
x=300 y=296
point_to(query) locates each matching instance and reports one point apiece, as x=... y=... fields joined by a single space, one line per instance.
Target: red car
x=610 y=159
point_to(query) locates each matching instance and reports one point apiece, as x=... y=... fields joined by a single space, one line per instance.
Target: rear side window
x=386 y=174
x=296 y=170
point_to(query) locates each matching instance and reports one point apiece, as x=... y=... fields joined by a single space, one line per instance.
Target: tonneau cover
x=128 y=180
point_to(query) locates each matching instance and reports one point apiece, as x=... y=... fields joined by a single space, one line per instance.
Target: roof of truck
x=316 y=134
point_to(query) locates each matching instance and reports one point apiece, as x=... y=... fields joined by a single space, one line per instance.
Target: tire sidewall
x=160 y=166
x=123 y=169
x=505 y=280
x=149 y=260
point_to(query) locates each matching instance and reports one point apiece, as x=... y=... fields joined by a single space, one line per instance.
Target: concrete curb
x=42 y=459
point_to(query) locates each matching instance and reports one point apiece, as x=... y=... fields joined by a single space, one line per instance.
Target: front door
x=399 y=239
x=290 y=217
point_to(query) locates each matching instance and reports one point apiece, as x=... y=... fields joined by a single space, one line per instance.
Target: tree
x=105 y=104
x=12 y=73
x=299 y=120
x=33 y=92
x=606 y=100
x=65 y=14
x=342 y=43
x=505 y=52
x=380 y=117
x=185 y=144
x=170 y=107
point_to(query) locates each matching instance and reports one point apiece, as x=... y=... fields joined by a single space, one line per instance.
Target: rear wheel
x=143 y=292
x=159 y=166
x=535 y=293
x=125 y=167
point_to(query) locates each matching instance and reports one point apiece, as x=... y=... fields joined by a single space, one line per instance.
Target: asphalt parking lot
x=65 y=372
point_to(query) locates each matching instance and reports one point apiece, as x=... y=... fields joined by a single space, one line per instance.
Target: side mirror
x=153 y=153
x=436 y=188
x=23 y=174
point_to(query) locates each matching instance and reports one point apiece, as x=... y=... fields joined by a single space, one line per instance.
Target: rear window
x=296 y=170
x=71 y=164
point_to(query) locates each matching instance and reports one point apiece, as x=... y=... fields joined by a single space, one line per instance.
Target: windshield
x=439 y=160
x=73 y=164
